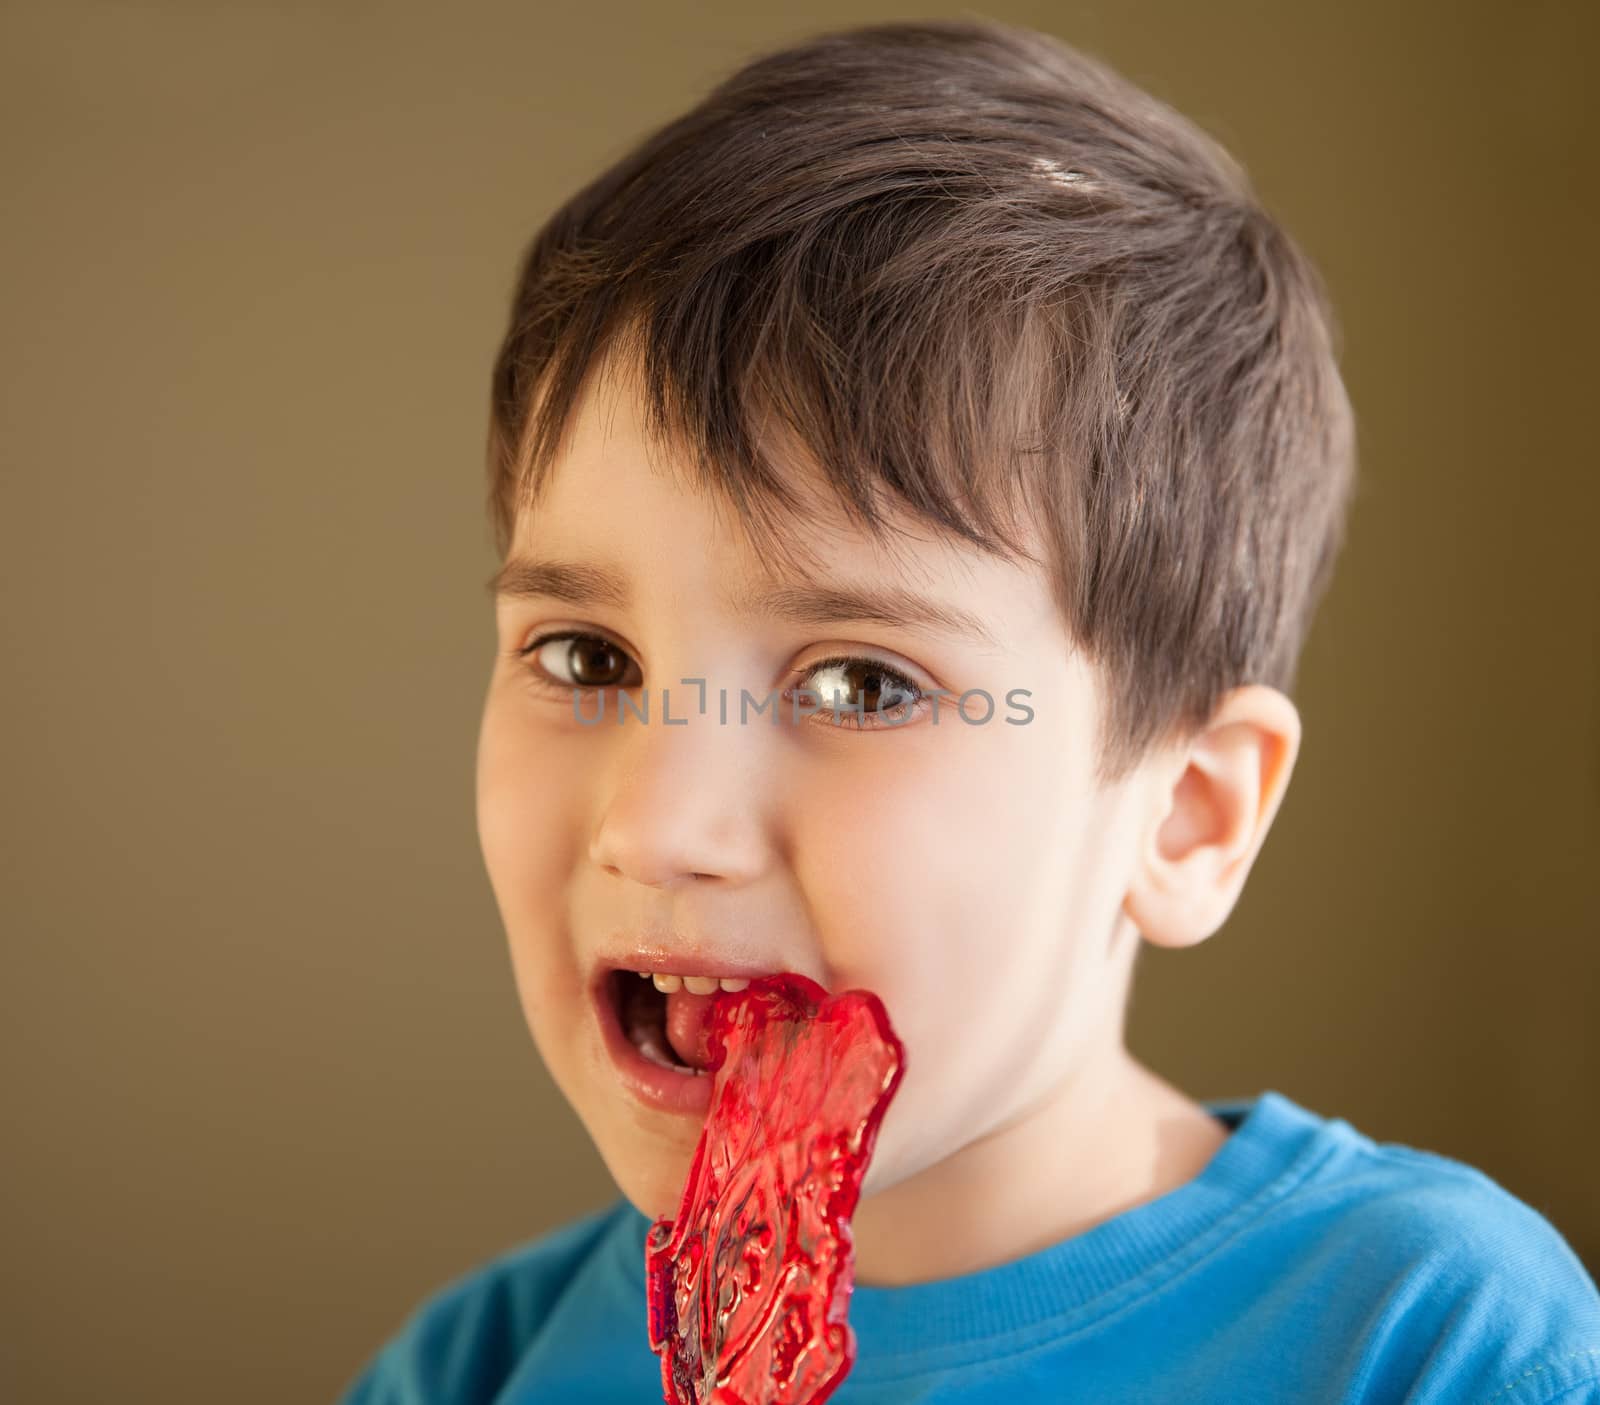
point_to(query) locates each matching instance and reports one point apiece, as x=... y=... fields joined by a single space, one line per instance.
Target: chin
x=649 y=1171
x=654 y=1191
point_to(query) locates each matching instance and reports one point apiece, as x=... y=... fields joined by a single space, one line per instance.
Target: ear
x=1212 y=803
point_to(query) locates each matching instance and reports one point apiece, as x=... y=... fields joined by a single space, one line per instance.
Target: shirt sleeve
x=460 y=1344
x=452 y=1350
x=1494 y=1309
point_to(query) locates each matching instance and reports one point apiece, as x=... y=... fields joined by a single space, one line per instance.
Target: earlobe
x=1212 y=804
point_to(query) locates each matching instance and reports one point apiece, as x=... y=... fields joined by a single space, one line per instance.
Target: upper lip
x=670 y=952
x=655 y=959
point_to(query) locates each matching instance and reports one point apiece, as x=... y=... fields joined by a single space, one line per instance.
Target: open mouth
x=641 y=1012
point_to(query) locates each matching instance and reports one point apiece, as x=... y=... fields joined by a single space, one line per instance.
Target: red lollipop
x=749 y=1286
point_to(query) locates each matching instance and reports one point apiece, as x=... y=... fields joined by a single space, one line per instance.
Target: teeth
x=695 y=985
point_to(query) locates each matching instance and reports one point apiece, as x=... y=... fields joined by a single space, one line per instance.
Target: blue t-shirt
x=1305 y=1264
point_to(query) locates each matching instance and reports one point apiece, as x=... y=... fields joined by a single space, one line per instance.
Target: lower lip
x=657 y=1087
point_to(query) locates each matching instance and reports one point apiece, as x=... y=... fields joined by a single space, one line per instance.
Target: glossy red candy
x=749 y=1286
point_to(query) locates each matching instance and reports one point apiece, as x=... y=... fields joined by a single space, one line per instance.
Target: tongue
x=688 y=1025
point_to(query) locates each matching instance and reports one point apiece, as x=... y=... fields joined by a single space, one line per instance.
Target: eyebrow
x=527 y=578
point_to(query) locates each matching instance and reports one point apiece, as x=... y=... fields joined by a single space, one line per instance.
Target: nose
x=683 y=801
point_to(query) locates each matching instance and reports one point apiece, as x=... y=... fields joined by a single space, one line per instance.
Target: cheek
x=927 y=863
x=937 y=879
x=526 y=792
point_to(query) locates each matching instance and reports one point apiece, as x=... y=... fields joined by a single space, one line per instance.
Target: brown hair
x=978 y=272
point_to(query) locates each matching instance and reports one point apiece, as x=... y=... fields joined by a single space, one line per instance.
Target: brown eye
x=875 y=686
x=593 y=662
x=883 y=694
x=579 y=661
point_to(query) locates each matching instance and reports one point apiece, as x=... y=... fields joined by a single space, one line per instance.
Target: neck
x=1091 y=1149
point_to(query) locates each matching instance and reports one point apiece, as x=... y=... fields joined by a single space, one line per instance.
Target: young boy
x=935 y=371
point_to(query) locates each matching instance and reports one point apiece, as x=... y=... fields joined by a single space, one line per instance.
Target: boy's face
x=971 y=874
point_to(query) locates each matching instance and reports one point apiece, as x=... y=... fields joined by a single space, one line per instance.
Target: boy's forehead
x=831 y=580
x=615 y=495
x=831 y=568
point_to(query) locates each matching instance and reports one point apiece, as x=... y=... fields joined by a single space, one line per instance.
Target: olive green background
x=266 y=1080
